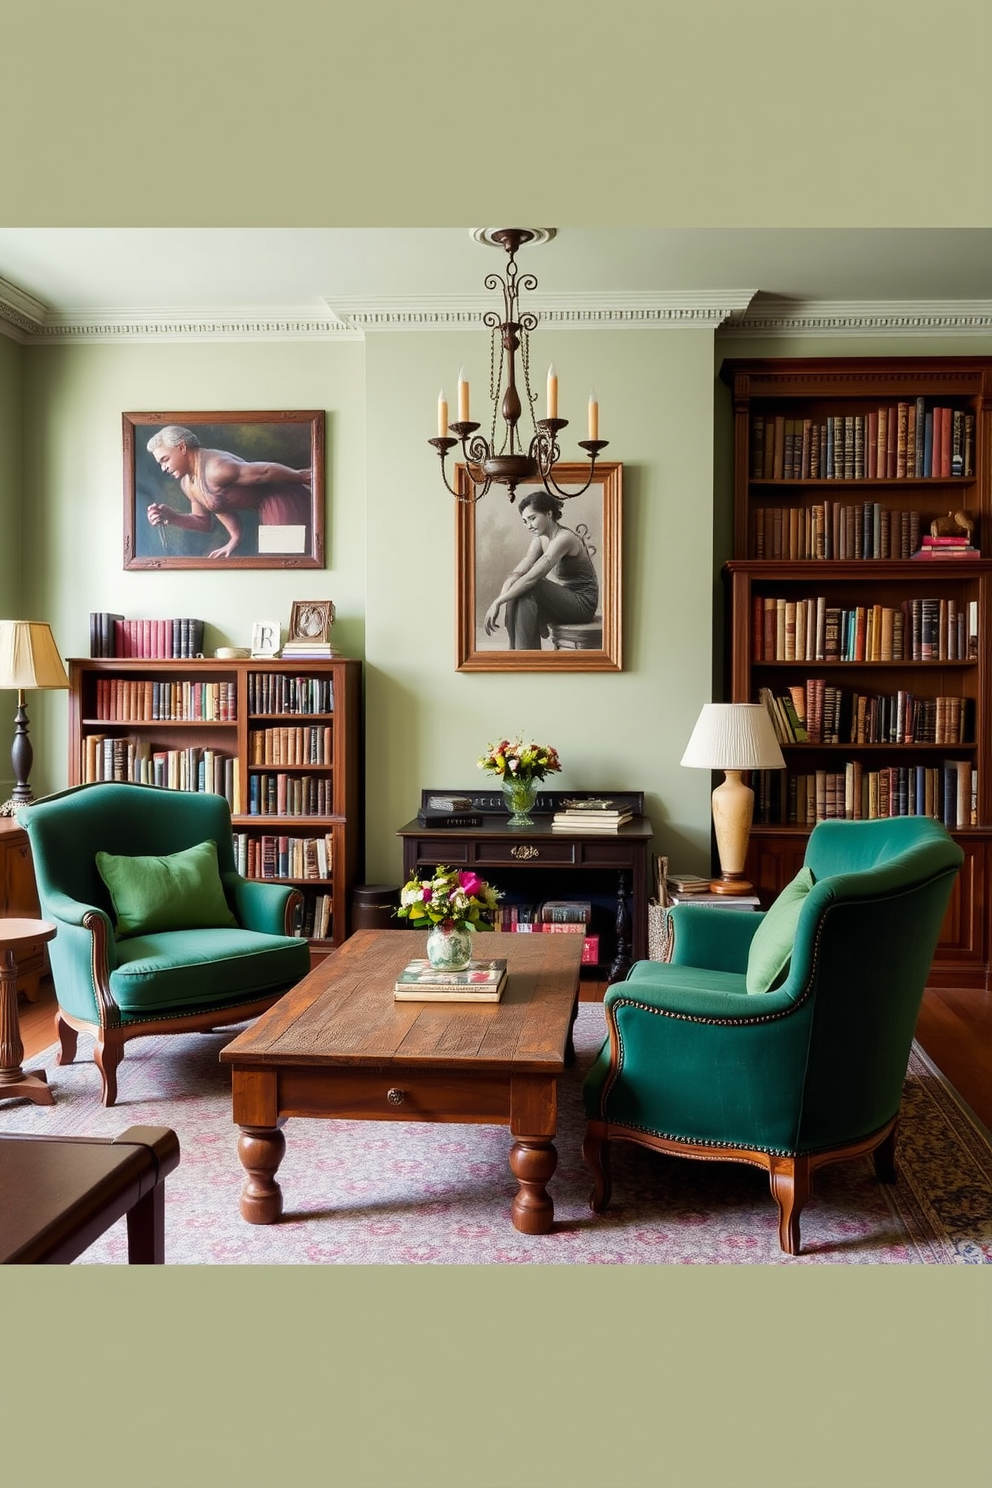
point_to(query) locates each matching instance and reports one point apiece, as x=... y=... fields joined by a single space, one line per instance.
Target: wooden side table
x=14 y=936
x=19 y=900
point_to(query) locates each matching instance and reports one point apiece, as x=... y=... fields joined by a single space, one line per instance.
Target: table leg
x=13 y=1080
x=261 y=1150
x=532 y=1162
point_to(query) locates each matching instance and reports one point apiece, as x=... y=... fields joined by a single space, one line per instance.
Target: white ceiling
x=56 y=281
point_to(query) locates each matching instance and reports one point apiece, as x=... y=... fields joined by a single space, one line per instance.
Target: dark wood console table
x=549 y=865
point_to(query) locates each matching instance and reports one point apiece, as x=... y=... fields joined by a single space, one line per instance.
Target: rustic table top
x=343 y=1013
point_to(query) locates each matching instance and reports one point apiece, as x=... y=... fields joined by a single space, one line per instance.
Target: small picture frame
x=265 y=639
x=311 y=620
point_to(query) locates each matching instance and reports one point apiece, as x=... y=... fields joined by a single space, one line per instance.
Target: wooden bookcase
x=243 y=726
x=806 y=534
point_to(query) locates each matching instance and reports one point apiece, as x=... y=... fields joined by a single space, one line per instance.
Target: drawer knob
x=527 y=851
x=395 y=1097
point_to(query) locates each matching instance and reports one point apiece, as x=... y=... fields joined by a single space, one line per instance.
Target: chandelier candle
x=462 y=397
x=552 y=392
x=442 y=415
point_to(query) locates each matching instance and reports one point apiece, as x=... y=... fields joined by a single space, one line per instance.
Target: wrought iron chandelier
x=502 y=457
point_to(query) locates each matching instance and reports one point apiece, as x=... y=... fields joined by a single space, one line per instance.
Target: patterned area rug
x=392 y=1193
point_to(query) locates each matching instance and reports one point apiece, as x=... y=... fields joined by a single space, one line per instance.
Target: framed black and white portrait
x=539 y=578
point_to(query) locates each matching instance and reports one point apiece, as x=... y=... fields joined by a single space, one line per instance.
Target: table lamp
x=29 y=658
x=733 y=737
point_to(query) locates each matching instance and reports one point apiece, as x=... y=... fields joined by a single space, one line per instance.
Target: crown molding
x=733 y=313
x=634 y=310
x=770 y=317
x=223 y=323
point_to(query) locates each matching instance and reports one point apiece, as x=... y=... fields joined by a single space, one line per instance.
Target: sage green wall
x=73 y=400
x=426 y=722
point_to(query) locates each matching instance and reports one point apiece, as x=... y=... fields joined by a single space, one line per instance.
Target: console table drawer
x=541 y=854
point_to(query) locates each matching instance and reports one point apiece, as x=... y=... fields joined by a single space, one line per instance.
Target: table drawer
x=399 y=1094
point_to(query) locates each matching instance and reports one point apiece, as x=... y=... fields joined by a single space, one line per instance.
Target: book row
x=902 y=441
x=290 y=795
x=817 y=713
x=314 y=919
x=272 y=692
x=947 y=792
x=577 y=912
x=110 y=757
x=307 y=745
x=919 y=629
x=125 y=700
x=173 y=639
x=271 y=856
x=833 y=530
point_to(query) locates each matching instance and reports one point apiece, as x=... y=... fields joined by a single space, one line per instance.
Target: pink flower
x=471 y=883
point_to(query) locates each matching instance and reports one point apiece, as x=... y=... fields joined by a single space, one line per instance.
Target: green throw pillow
x=771 y=949
x=180 y=892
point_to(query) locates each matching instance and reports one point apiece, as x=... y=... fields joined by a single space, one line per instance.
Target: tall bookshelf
x=281 y=739
x=840 y=466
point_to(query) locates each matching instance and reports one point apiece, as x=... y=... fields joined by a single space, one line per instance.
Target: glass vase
x=519 y=796
x=448 y=948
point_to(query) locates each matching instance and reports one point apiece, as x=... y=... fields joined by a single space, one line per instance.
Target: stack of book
x=947 y=547
x=593 y=814
x=303 y=650
x=481 y=981
x=688 y=888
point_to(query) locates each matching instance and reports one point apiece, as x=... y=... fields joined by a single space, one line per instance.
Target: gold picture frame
x=491 y=538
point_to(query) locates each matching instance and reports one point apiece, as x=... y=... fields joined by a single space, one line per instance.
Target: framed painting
x=224 y=490
x=515 y=612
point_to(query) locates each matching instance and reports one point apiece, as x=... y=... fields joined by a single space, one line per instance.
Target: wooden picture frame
x=491 y=538
x=186 y=505
x=311 y=620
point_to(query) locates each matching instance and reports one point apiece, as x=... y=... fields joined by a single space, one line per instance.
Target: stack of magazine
x=481 y=981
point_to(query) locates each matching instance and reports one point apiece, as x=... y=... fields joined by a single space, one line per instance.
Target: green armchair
x=701 y=1061
x=199 y=955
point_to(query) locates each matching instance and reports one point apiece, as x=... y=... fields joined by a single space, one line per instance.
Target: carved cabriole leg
x=596 y=1153
x=107 y=1055
x=884 y=1157
x=68 y=1037
x=532 y=1162
x=261 y=1150
x=790 y=1184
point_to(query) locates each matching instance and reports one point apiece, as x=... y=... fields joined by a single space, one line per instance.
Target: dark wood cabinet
x=535 y=863
x=839 y=471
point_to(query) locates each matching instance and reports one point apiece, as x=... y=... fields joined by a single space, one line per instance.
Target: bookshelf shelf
x=216 y=753
x=805 y=584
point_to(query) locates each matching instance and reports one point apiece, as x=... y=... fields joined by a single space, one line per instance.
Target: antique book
x=481 y=981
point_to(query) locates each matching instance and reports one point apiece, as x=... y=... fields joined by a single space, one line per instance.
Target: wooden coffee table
x=338 y=1045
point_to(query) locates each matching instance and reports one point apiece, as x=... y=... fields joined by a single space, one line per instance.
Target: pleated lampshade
x=29 y=657
x=734 y=736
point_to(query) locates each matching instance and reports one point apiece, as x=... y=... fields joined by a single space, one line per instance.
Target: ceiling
x=61 y=282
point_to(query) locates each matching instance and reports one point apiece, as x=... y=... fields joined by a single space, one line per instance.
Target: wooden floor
x=955 y=1029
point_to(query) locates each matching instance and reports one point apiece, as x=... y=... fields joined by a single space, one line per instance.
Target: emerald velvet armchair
x=156 y=930
x=783 y=1039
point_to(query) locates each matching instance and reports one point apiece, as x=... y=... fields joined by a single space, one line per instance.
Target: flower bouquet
x=450 y=905
x=520 y=766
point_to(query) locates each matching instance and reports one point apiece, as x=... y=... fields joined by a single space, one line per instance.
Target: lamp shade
x=733 y=736
x=29 y=657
